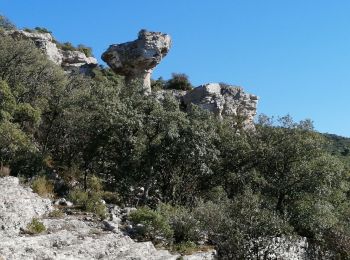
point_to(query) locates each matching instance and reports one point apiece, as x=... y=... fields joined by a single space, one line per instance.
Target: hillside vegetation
x=190 y=174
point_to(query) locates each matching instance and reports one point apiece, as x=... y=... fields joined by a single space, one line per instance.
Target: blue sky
x=293 y=54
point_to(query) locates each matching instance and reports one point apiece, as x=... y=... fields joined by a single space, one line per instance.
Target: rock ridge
x=70 y=60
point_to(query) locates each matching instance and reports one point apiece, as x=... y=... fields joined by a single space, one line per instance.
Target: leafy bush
x=233 y=224
x=179 y=81
x=42 y=30
x=79 y=197
x=94 y=184
x=66 y=46
x=111 y=197
x=56 y=214
x=185 y=248
x=158 y=84
x=43 y=187
x=151 y=224
x=85 y=49
x=184 y=224
x=28 y=30
x=36 y=227
x=91 y=199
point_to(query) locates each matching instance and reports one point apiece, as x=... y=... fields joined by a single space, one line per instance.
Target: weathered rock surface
x=71 y=61
x=209 y=255
x=76 y=61
x=291 y=248
x=224 y=100
x=74 y=236
x=18 y=206
x=137 y=59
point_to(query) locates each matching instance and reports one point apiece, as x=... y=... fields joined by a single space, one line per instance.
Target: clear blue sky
x=294 y=54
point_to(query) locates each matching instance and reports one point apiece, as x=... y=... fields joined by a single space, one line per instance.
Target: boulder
x=225 y=101
x=18 y=206
x=43 y=41
x=77 y=61
x=63 y=202
x=136 y=60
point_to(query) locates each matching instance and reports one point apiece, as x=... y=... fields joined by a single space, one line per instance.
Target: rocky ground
x=74 y=236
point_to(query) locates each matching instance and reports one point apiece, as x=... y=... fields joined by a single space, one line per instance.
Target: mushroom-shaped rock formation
x=136 y=60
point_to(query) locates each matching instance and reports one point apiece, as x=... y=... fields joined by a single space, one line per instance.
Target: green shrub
x=28 y=30
x=85 y=49
x=56 y=214
x=42 y=30
x=158 y=84
x=184 y=224
x=111 y=197
x=153 y=224
x=179 y=81
x=185 y=248
x=94 y=184
x=95 y=205
x=66 y=46
x=43 y=187
x=88 y=201
x=36 y=227
x=79 y=197
x=233 y=224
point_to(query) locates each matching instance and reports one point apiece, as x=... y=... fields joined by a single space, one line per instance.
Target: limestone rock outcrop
x=136 y=60
x=224 y=100
x=18 y=206
x=74 y=236
x=70 y=61
x=76 y=61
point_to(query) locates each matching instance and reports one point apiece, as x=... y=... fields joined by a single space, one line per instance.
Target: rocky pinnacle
x=136 y=60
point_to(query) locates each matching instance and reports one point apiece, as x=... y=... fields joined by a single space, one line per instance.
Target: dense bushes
x=151 y=225
x=90 y=199
x=174 y=227
x=43 y=187
x=179 y=81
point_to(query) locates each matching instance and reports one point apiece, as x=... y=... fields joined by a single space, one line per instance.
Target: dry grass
x=43 y=187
